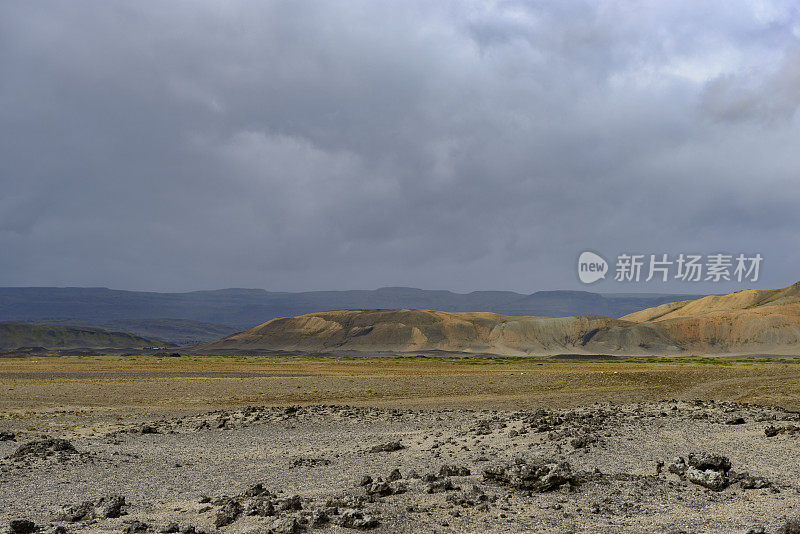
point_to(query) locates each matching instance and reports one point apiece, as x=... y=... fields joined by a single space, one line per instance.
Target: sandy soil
x=175 y=437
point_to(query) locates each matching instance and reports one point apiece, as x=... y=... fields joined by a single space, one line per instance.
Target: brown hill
x=746 y=321
x=424 y=330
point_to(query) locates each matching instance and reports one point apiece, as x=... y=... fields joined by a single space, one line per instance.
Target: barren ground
x=164 y=432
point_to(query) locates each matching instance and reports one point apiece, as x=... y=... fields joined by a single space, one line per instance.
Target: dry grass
x=191 y=383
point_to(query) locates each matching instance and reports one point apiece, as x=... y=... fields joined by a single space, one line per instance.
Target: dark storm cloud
x=463 y=145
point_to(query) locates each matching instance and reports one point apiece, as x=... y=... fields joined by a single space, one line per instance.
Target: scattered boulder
x=384 y=489
x=750 y=482
x=43 y=448
x=454 y=471
x=391 y=446
x=286 y=525
x=706 y=461
x=677 y=466
x=136 y=526
x=22 y=526
x=291 y=503
x=771 y=430
x=713 y=480
x=538 y=475
x=309 y=462
x=319 y=518
x=791 y=526
x=261 y=507
x=351 y=518
x=7 y=436
x=704 y=469
x=438 y=486
x=103 y=508
x=582 y=441
x=229 y=513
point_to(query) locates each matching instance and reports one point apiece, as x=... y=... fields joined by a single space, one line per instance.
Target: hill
x=176 y=331
x=746 y=321
x=749 y=320
x=14 y=335
x=426 y=330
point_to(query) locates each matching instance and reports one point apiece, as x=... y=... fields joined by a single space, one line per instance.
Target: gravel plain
x=670 y=465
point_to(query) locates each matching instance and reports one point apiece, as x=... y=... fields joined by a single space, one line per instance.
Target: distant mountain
x=15 y=335
x=243 y=308
x=744 y=322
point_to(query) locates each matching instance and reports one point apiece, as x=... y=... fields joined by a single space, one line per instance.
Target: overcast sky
x=337 y=145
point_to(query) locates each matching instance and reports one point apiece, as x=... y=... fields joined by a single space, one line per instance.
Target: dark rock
x=286 y=525
x=735 y=421
x=136 y=526
x=454 y=471
x=441 y=485
x=677 y=466
x=261 y=507
x=582 y=441
x=379 y=488
x=254 y=491
x=111 y=507
x=791 y=526
x=292 y=503
x=319 y=518
x=538 y=475
x=309 y=462
x=43 y=448
x=707 y=461
x=103 y=508
x=750 y=482
x=229 y=513
x=391 y=446
x=708 y=478
x=366 y=480
x=354 y=519
x=171 y=528
x=22 y=526
x=394 y=475
x=7 y=436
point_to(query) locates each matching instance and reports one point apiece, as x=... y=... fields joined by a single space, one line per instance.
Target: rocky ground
x=670 y=466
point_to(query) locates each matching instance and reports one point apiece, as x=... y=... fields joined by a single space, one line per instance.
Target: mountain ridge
x=742 y=321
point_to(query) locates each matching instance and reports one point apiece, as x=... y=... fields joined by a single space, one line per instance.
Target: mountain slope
x=424 y=330
x=14 y=335
x=745 y=321
x=177 y=331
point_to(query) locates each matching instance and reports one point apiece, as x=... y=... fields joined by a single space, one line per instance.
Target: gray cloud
x=309 y=145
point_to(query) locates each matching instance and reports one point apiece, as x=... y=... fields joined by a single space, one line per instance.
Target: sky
x=469 y=145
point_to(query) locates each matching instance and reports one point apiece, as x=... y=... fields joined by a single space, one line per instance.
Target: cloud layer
x=458 y=145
